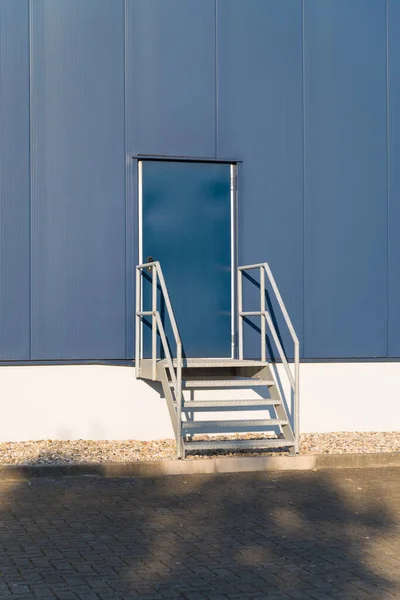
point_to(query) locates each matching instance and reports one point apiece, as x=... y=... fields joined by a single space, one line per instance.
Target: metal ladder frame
x=266 y=319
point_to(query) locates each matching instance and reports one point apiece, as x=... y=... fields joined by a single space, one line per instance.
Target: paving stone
x=283 y=536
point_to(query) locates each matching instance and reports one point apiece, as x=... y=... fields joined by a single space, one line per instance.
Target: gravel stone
x=57 y=452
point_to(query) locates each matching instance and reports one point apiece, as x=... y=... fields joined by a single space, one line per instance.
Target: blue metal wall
x=78 y=179
x=394 y=178
x=345 y=201
x=170 y=66
x=306 y=93
x=260 y=102
x=14 y=181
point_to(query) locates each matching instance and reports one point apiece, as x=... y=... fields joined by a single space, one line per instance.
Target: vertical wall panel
x=14 y=181
x=78 y=184
x=170 y=68
x=259 y=44
x=394 y=176
x=345 y=178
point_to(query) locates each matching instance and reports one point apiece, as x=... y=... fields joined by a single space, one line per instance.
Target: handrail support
x=262 y=317
x=154 y=323
x=265 y=317
x=157 y=327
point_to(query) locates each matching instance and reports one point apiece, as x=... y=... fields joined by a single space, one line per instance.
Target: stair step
x=189 y=363
x=238 y=444
x=214 y=383
x=236 y=425
x=229 y=404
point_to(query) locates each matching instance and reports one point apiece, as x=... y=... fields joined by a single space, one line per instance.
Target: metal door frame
x=233 y=226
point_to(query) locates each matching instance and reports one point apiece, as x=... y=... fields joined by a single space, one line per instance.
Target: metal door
x=186 y=221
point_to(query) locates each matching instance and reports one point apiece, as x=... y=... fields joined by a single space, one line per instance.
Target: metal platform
x=218 y=362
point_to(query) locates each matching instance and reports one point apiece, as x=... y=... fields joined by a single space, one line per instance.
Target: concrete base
x=206 y=466
x=107 y=402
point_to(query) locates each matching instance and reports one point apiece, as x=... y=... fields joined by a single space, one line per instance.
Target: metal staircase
x=184 y=380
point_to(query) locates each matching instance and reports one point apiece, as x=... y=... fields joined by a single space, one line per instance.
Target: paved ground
x=280 y=536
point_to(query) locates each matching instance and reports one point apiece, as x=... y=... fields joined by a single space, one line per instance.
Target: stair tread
x=224 y=382
x=219 y=362
x=186 y=425
x=238 y=444
x=223 y=404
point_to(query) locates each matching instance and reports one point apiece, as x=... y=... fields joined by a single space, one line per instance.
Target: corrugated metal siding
x=260 y=121
x=14 y=181
x=78 y=179
x=170 y=67
x=394 y=175
x=345 y=179
x=170 y=96
x=185 y=58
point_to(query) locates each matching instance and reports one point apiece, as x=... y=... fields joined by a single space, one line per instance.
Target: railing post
x=240 y=310
x=154 y=323
x=179 y=399
x=296 y=398
x=262 y=317
x=138 y=322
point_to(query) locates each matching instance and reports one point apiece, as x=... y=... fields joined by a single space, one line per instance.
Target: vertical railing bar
x=240 y=310
x=296 y=397
x=179 y=399
x=154 y=323
x=137 y=323
x=262 y=309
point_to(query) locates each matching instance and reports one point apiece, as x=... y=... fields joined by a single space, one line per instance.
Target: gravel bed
x=56 y=452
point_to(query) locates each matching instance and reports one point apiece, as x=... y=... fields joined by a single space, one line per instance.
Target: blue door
x=186 y=226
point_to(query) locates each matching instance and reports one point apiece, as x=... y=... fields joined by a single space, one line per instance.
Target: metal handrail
x=158 y=327
x=267 y=320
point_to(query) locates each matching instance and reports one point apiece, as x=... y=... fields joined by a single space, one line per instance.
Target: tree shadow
x=232 y=536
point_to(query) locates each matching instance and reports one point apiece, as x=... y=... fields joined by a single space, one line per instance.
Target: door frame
x=233 y=225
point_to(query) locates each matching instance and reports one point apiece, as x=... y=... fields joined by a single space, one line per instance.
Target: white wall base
x=362 y=396
x=79 y=402
x=107 y=402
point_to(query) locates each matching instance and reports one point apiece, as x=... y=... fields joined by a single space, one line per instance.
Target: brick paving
x=281 y=536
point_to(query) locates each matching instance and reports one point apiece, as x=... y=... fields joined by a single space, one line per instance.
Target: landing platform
x=210 y=362
x=203 y=367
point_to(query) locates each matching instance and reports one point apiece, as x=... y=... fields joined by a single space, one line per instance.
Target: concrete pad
x=204 y=466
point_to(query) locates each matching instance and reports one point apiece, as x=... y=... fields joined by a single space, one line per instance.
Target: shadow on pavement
x=240 y=536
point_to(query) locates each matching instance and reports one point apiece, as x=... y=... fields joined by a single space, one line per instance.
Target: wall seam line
x=304 y=178
x=1 y=195
x=127 y=321
x=387 y=184
x=216 y=76
x=30 y=183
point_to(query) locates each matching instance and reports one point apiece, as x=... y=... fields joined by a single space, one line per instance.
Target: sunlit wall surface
x=305 y=93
